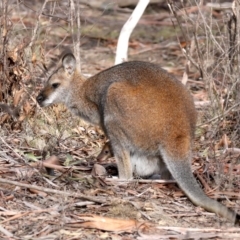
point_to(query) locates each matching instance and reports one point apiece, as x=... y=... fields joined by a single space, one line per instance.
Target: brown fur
x=145 y=113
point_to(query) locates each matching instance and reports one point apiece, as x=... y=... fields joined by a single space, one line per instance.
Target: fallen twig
x=19 y=156
x=203 y=182
x=48 y=190
x=22 y=214
x=139 y=180
x=5 y=232
x=233 y=150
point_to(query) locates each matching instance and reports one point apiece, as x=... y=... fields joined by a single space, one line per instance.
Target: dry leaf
x=40 y=193
x=109 y=224
x=27 y=108
x=224 y=142
x=52 y=162
x=98 y=170
x=17 y=97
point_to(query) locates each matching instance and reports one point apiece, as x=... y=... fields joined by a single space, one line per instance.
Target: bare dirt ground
x=47 y=186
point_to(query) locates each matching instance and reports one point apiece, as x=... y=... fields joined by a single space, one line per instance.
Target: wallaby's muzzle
x=40 y=99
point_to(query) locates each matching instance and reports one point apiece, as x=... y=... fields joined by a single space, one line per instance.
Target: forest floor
x=48 y=187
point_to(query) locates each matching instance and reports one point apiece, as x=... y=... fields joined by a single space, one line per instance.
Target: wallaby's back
x=149 y=105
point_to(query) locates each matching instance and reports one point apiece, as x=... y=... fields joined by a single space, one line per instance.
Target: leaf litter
x=52 y=186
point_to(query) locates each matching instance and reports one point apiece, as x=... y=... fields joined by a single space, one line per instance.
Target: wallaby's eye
x=106 y=151
x=55 y=85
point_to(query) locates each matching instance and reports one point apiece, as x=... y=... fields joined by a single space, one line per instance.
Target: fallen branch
x=139 y=180
x=53 y=163
x=233 y=150
x=23 y=214
x=203 y=182
x=48 y=190
x=5 y=232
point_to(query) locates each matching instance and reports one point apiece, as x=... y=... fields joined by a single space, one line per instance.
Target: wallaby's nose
x=39 y=98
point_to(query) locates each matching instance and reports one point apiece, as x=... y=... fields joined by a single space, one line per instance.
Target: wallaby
x=105 y=153
x=145 y=113
x=157 y=171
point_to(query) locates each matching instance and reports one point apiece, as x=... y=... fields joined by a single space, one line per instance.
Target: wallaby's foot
x=155 y=177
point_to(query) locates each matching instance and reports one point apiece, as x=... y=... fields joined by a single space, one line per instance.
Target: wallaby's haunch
x=145 y=113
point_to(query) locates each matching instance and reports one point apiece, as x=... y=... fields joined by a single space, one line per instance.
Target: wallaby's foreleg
x=122 y=157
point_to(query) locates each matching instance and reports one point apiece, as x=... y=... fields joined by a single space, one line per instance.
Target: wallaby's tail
x=182 y=173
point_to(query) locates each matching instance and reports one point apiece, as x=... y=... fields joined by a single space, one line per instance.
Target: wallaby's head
x=105 y=153
x=57 y=88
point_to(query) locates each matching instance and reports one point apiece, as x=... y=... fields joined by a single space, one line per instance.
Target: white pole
x=122 y=46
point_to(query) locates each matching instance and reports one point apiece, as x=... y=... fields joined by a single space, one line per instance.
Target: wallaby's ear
x=69 y=63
